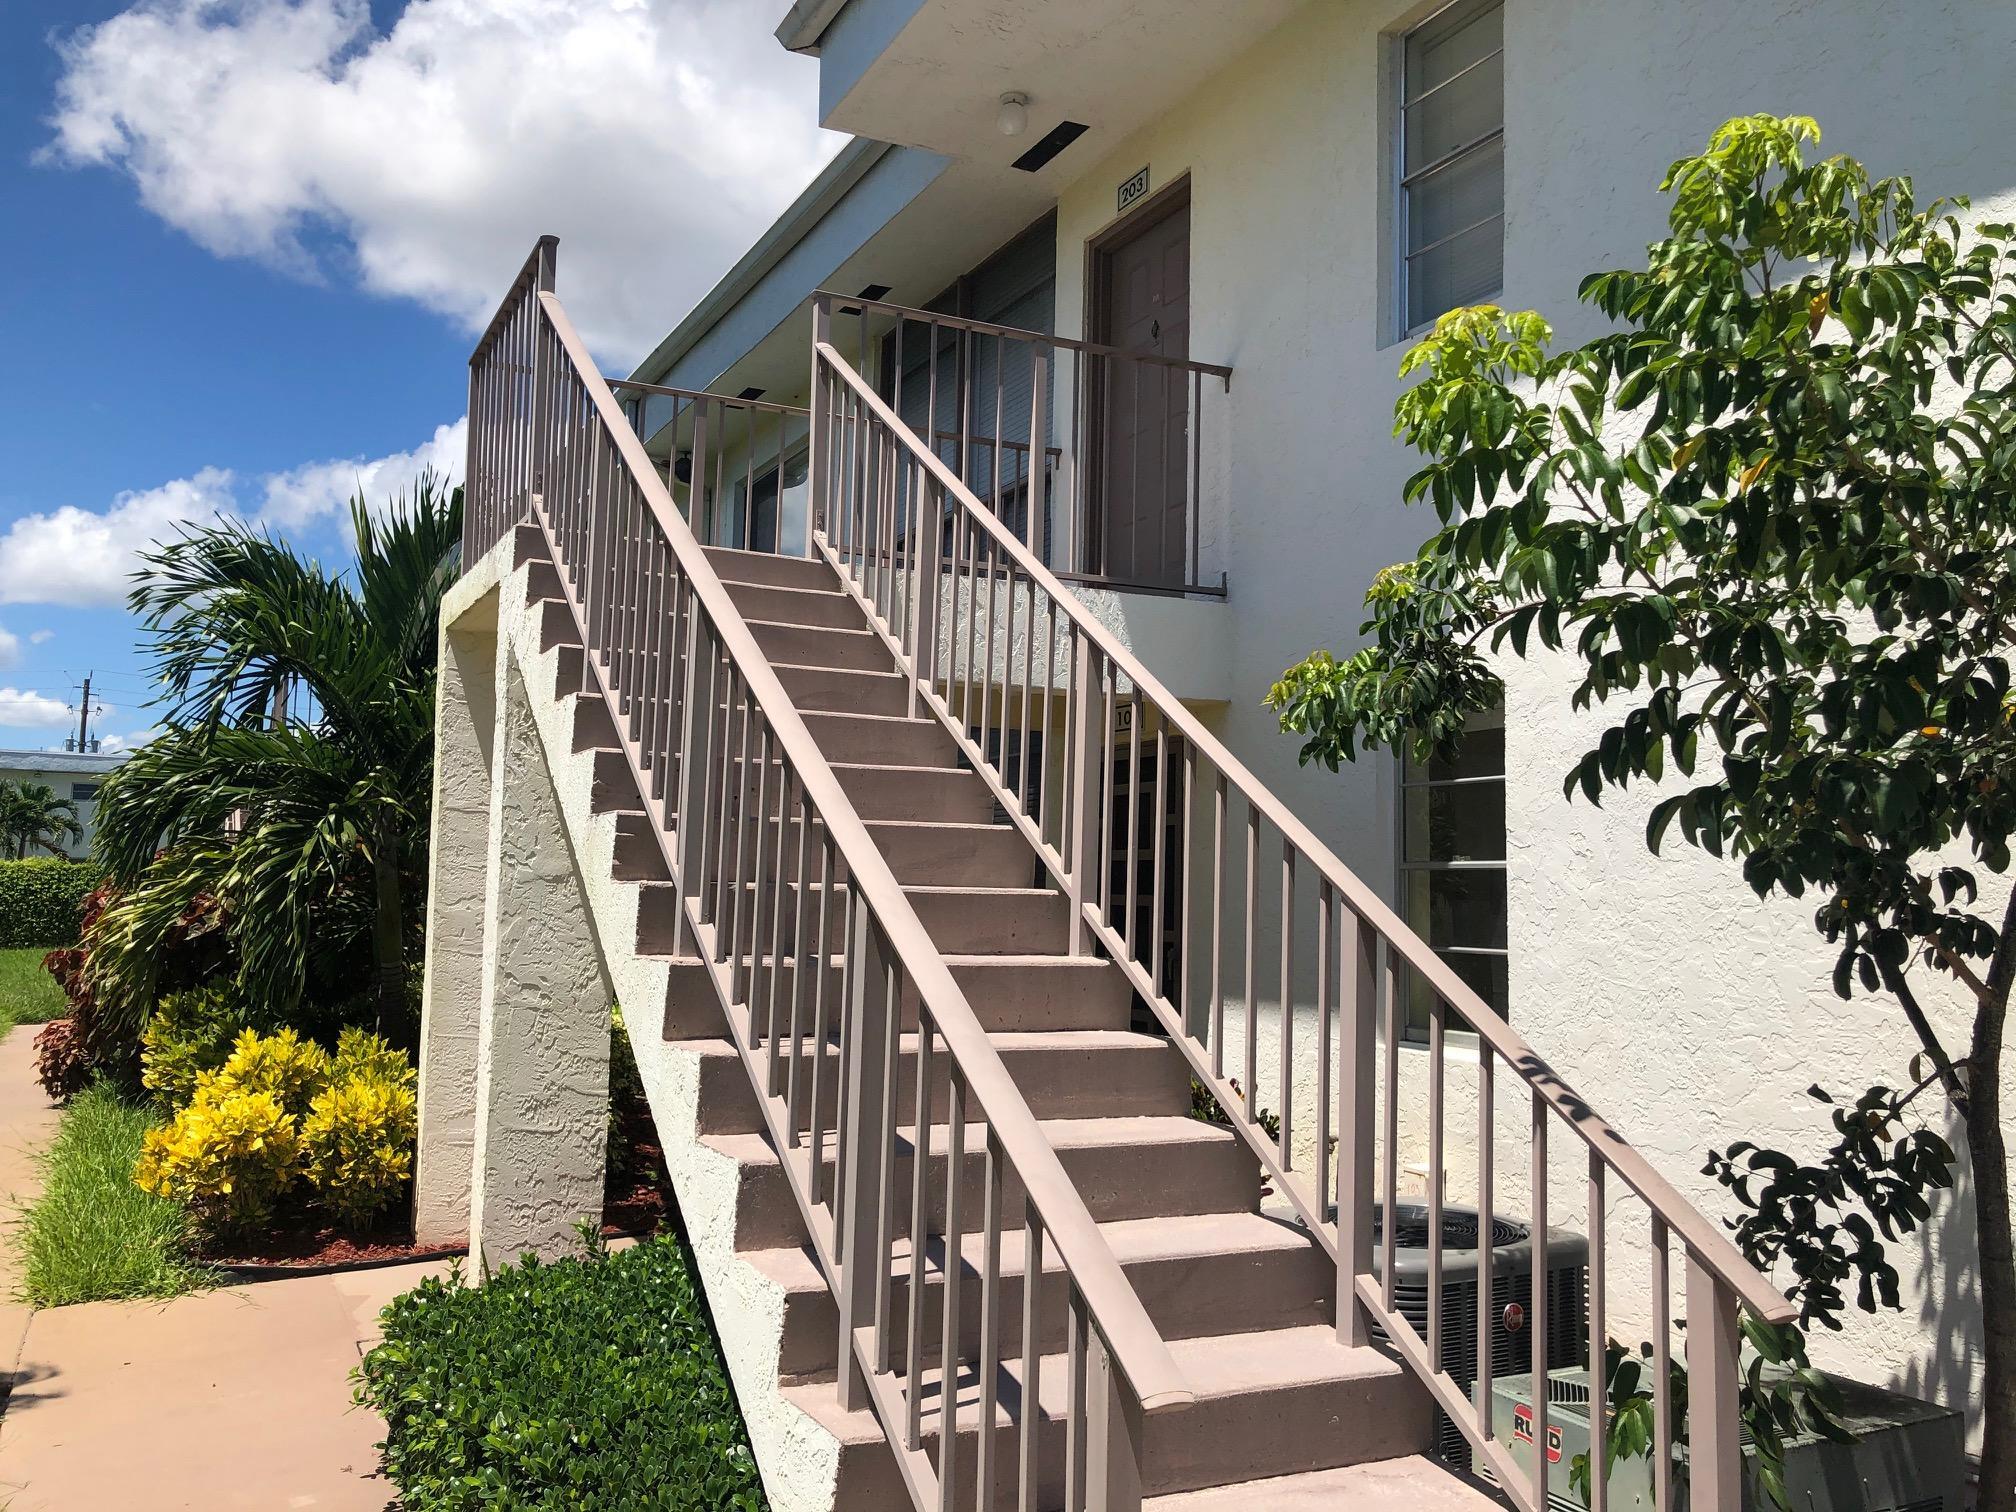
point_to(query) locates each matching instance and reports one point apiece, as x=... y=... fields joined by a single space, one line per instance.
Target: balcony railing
x=1131 y=492
x=736 y=467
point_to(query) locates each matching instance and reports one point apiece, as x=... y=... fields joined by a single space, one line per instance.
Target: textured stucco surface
x=464 y=727
x=1690 y=1012
x=799 y=1460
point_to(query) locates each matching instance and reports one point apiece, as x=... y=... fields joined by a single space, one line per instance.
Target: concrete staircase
x=1285 y=1416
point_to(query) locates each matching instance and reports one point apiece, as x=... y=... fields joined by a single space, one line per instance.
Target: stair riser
x=1007 y=998
x=1115 y=1181
x=822 y=688
x=818 y=646
x=1219 y=1441
x=542 y=581
x=766 y=568
x=946 y=797
x=921 y=856
x=959 y=923
x=612 y=790
x=1187 y=1298
x=1107 y=1081
x=594 y=729
x=638 y=857
x=556 y=625
x=881 y=742
x=792 y=606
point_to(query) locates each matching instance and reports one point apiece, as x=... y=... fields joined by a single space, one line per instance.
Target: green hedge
x=585 y=1383
x=41 y=901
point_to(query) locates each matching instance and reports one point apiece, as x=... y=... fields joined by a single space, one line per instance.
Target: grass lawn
x=28 y=994
x=93 y=1234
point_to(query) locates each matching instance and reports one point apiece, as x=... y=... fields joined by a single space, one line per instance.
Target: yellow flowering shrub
x=227 y=1156
x=362 y=1053
x=292 y=1069
x=358 y=1139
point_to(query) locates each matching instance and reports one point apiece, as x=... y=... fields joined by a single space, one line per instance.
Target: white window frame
x=1402 y=180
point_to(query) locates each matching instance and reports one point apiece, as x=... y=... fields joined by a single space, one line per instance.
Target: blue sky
x=249 y=242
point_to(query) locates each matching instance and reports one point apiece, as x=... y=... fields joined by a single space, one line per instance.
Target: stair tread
x=1215 y=1366
x=787 y=666
x=1007 y=1041
x=1132 y=1240
x=1172 y=1129
x=774 y=624
x=1411 y=1480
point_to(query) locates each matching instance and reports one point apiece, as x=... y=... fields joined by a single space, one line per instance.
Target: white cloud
x=10 y=647
x=85 y=558
x=129 y=742
x=302 y=493
x=654 y=137
x=27 y=709
x=36 y=637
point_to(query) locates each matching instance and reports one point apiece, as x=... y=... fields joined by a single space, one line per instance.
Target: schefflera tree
x=1770 y=519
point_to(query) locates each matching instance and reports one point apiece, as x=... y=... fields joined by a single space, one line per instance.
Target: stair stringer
x=799 y=1460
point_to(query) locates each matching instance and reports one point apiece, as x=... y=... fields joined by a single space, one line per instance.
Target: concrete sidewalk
x=238 y=1398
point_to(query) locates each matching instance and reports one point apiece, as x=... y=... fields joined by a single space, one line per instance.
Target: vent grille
x=1459 y=1230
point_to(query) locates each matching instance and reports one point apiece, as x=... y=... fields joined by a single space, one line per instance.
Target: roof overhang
x=931 y=73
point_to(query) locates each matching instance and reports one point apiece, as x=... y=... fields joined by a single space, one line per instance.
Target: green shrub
x=227 y=1157
x=42 y=901
x=190 y=1033
x=584 y=1383
x=283 y=1064
x=359 y=1135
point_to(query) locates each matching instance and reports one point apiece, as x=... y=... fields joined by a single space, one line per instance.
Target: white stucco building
x=1234 y=185
x=74 y=775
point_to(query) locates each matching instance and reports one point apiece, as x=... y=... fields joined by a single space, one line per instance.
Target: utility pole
x=84 y=718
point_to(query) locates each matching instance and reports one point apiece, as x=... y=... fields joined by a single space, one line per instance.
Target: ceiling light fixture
x=1014 y=117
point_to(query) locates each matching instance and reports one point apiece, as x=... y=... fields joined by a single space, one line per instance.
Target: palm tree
x=33 y=817
x=294 y=775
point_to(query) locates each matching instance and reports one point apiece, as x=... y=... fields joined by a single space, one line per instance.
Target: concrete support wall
x=542 y=1056
x=464 y=730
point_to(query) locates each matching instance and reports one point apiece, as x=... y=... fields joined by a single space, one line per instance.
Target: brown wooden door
x=1142 y=304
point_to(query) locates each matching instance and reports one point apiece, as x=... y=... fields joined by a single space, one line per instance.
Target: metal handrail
x=954 y=630
x=1694 y=1229
x=848 y=304
x=1103 y=1299
x=768 y=406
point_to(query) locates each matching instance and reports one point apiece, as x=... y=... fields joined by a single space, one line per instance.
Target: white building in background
x=75 y=775
x=1291 y=190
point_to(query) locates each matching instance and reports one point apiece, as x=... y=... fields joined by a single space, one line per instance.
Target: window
x=1452 y=864
x=1452 y=160
x=83 y=792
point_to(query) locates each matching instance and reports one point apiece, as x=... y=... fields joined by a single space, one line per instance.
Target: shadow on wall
x=1949 y=1305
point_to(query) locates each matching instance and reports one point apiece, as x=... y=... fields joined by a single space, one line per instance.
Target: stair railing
x=819 y=960
x=1013 y=663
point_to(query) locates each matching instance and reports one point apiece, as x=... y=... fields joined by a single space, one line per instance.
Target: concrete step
x=556 y=624
x=639 y=858
x=959 y=920
x=833 y=688
x=1411 y=1481
x=769 y=569
x=1008 y=994
x=1085 y=1073
x=882 y=740
x=1123 y=1167
x=827 y=606
x=1287 y=1401
x=929 y=853
x=528 y=544
x=613 y=790
x=950 y=794
x=820 y=646
x=1207 y=1274
x=593 y=725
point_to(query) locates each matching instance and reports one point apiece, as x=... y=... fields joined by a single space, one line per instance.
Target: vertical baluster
x=747 y=929
x=1031 y=1411
x=1538 y=1316
x=1077 y=804
x=1599 y=1352
x=783 y=884
x=885 y=1179
x=1025 y=788
x=868 y=1134
x=1287 y=1071
x=801 y=978
x=1436 y=1072
x=1355 y=1114
x=1324 y=978
x=920 y=1161
x=987 y=687
x=1714 y=1374
x=1130 y=904
x=1662 y=1368
x=1159 y=843
x=1389 y=987
x=984 y=1475
x=821 y=1001
x=1106 y=751
x=1076 y=1413
x=1251 y=1085
x=1196 y=500
x=1487 y=1283
x=949 y=1355
x=1217 y=925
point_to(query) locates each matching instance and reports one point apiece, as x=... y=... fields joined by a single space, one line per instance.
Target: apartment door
x=1141 y=303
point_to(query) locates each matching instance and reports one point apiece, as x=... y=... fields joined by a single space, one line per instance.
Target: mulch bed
x=296 y=1244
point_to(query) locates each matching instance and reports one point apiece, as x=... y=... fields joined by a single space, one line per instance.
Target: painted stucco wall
x=1693 y=1013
